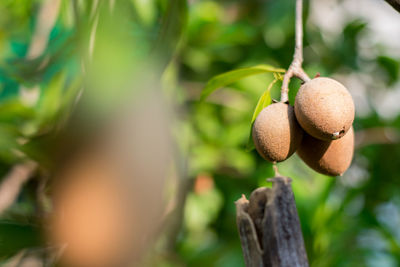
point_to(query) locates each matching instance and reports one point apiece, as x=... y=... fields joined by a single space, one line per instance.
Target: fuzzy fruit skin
x=328 y=157
x=276 y=132
x=324 y=108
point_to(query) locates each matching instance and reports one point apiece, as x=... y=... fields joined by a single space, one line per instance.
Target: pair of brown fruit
x=319 y=127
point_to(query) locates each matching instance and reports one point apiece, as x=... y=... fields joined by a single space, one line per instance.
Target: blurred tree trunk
x=269 y=227
x=395 y=4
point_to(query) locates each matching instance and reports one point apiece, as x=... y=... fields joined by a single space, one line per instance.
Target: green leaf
x=173 y=25
x=8 y=136
x=71 y=93
x=16 y=236
x=235 y=75
x=52 y=95
x=263 y=102
x=14 y=110
x=41 y=149
x=391 y=67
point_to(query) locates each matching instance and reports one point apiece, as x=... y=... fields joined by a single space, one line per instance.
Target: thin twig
x=295 y=68
x=11 y=185
x=46 y=19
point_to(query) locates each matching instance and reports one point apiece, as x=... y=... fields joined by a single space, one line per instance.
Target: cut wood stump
x=269 y=227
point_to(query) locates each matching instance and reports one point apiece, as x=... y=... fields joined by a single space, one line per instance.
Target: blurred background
x=108 y=158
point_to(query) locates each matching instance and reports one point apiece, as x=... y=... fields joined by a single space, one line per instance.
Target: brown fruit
x=324 y=108
x=276 y=133
x=328 y=157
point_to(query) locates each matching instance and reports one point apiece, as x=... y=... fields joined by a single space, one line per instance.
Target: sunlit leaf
x=13 y=109
x=263 y=102
x=235 y=75
x=50 y=102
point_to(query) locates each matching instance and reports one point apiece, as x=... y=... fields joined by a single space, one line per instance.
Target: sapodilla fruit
x=328 y=157
x=324 y=108
x=276 y=133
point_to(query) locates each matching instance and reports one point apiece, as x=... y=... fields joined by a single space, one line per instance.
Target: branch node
x=295 y=69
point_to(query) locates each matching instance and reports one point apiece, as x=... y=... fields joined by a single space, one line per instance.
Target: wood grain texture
x=252 y=251
x=269 y=227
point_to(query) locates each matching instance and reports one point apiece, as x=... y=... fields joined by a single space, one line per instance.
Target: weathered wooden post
x=269 y=227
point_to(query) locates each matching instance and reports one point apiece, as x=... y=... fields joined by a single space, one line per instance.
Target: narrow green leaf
x=14 y=110
x=235 y=75
x=71 y=92
x=263 y=102
x=51 y=99
x=8 y=136
x=391 y=67
x=172 y=27
x=250 y=144
x=278 y=76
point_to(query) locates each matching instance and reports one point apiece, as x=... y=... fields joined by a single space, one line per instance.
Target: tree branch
x=394 y=3
x=295 y=68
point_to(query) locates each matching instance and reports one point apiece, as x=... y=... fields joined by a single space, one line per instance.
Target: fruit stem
x=295 y=68
x=276 y=171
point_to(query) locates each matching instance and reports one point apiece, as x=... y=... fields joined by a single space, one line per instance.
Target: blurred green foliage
x=347 y=221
